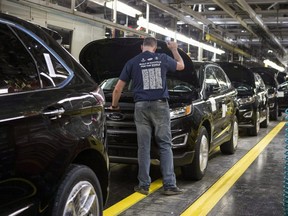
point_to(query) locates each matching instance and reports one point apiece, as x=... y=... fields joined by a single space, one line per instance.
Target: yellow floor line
x=209 y=199
x=131 y=200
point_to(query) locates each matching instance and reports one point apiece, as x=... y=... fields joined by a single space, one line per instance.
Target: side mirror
x=212 y=89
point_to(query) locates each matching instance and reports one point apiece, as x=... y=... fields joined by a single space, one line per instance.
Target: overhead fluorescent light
x=142 y=22
x=120 y=7
x=273 y=65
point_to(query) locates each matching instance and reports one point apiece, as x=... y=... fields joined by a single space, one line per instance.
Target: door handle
x=54 y=114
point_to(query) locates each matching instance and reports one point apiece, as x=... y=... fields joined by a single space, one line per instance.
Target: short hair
x=150 y=41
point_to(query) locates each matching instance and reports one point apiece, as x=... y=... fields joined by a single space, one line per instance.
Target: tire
x=231 y=146
x=255 y=129
x=265 y=123
x=196 y=170
x=274 y=114
x=79 y=193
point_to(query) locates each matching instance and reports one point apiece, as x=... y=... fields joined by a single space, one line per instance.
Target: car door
x=261 y=95
x=282 y=96
x=215 y=98
x=16 y=76
x=39 y=121
x=228 y=101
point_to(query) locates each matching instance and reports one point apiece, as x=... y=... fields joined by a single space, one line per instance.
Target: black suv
x=202 y=106
x=282 y=97
x=53 y=158
x=269 y=77
x=252 y=96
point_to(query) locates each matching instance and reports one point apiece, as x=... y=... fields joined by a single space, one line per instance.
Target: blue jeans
x=155 y=115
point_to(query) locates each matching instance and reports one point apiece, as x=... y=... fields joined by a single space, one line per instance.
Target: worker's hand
x=114 y=108
x=172 y=45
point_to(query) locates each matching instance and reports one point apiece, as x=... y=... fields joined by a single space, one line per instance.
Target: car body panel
x=283 y=96
x=269 y=77
x=47 y=122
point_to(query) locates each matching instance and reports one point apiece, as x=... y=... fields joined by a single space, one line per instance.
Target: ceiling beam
x=174 y=13
x=187 y=10
x=260 y=23
x=233 y=14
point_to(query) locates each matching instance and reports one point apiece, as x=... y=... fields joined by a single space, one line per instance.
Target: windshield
x=173 y=85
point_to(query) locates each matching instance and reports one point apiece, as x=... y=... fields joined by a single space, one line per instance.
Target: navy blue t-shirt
x=148 y=74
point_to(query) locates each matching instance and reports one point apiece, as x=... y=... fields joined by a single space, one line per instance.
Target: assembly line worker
x=148 y=72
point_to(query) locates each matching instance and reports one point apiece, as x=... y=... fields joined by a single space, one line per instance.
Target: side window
x=262 y=84
x=18 y=71
x=224 y=82
x=210 y=80
x=52 y=73
x=259 y=82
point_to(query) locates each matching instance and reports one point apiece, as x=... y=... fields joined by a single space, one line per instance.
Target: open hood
x=106 y=58
x=269 y=75
x=238 y=73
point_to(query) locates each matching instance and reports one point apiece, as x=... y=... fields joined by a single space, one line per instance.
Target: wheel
x=265 y=123
x=255 y=129
x=274 y=114
x=79 y=193
x=197 y=169
x=231 y=146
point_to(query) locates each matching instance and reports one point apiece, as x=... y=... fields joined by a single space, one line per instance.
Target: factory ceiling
x=252 y=28
x=257 y=27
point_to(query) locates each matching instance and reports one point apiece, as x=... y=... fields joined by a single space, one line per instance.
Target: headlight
x=180 y=111
x=246 y=100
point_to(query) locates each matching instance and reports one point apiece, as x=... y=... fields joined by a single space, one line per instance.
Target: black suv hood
x=238 y=73
x=268 y=75
x=106 y=58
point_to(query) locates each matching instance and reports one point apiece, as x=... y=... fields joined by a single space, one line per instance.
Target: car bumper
x=246 y=116
x=282 y=103
x=122 y=143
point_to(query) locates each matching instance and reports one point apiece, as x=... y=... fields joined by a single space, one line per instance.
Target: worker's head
x=149 y=44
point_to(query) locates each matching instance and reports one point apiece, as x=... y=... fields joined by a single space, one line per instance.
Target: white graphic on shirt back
x=151 y=73
x=152 y=78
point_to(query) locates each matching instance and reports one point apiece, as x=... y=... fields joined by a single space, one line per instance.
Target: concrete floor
x=259 y=191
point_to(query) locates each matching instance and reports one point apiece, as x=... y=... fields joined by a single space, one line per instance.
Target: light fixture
x=120 y=7
x=211 y=8
x=273 y=65
x=142 y=22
